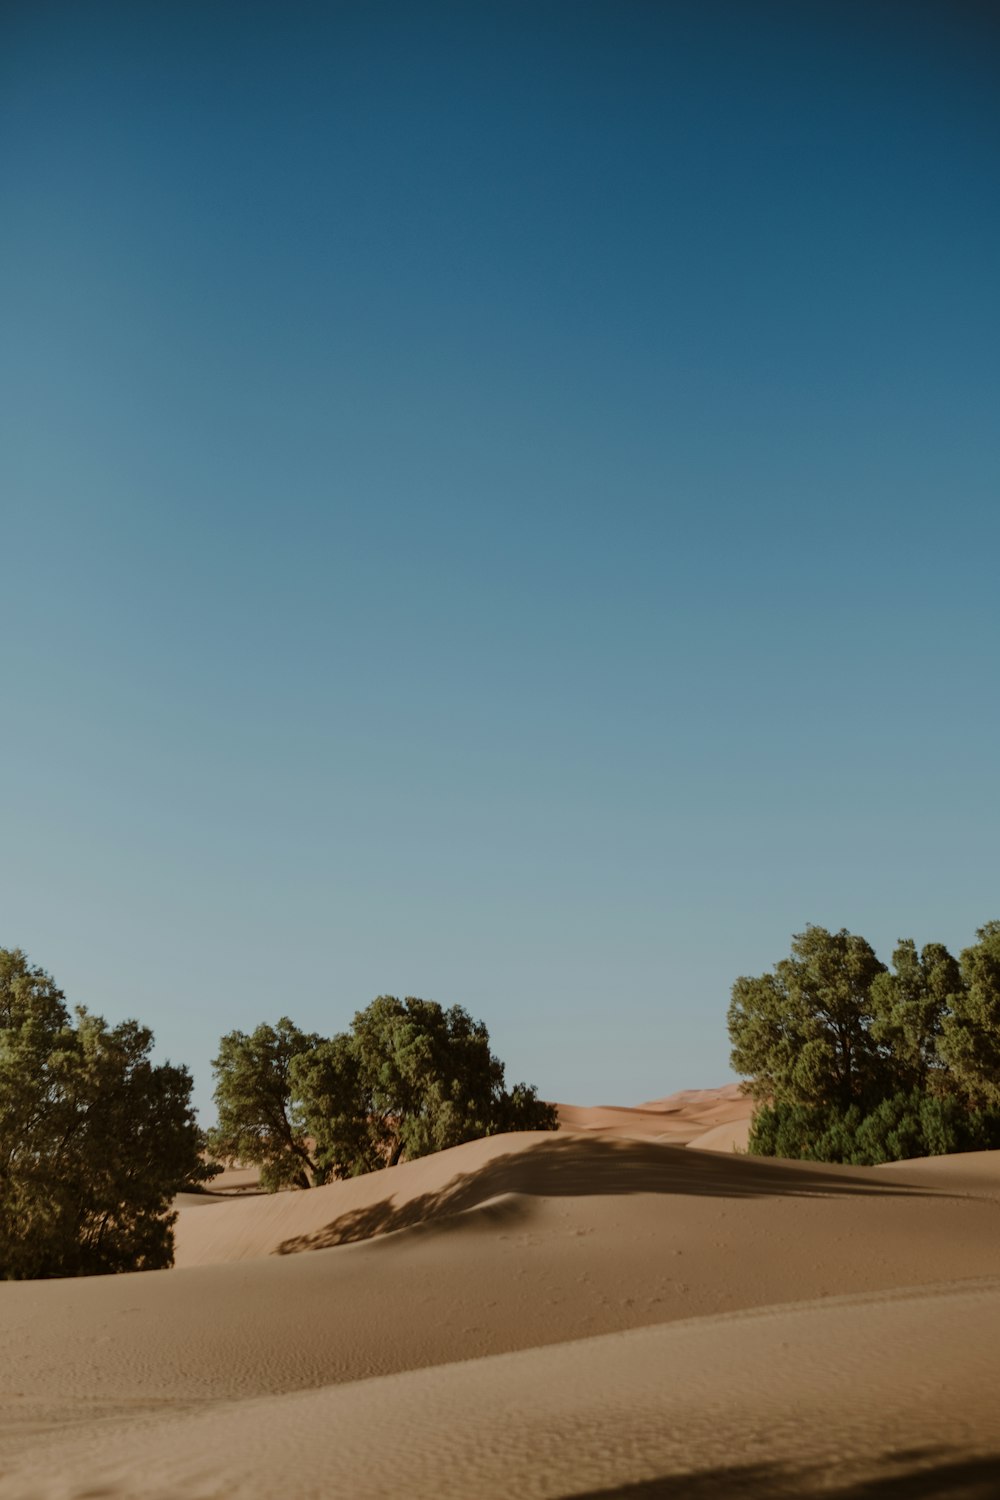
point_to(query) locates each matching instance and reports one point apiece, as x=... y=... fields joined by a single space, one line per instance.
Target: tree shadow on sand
x=929 y=1474
x=575 y=1167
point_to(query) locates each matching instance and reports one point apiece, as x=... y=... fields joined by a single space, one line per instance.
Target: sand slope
x=855 y=1399
x=532 y=1314
x=976 y=1172
x=732 y=1136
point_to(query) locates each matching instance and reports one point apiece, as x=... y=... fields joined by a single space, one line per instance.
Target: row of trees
x=850 y=1060
x=96 y=1139
x=407 y=1079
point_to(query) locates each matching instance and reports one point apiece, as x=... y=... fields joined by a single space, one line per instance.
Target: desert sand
x=603 y=1311
x=681 y=1119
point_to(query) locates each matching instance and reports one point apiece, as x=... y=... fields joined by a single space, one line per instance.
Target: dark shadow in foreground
x=574 y=1167
x=928 y=1474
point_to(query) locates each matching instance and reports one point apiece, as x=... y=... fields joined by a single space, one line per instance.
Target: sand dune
x=976 y=1172
x=585 y=1313
x=679 y=1118
x=732 y=1136
x=855 y=1399
x=236 y=1180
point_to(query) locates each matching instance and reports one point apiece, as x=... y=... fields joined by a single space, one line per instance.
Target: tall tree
x=428 y=1072
x=433 y=1082
x=971 y=1032
x=337 y=1109
x=95 y=1139
x=260 y=1122
x=802 y=1034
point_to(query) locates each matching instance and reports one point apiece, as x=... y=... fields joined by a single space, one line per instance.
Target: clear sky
x=499 y=503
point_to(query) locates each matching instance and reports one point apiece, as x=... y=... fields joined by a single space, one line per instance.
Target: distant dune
x=679 y=1118
x=591 y=1313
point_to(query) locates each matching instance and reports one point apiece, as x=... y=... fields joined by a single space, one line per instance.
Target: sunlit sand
x=600 y=1311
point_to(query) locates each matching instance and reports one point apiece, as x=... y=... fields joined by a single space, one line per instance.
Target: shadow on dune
x=931 y=1475
x=571 y=1167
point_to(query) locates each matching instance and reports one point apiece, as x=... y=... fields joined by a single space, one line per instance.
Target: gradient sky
x=499 y=503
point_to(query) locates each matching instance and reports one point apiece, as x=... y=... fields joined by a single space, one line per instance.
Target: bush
x=896 y=1129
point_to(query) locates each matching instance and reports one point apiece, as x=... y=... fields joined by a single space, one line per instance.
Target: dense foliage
x=408 y=1079
x=94 y=1138
x=851 y=1061
x=901 y=1126
x=259 y=1121
x=803 y=1033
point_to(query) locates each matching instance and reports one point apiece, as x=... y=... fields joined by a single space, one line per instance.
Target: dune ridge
x=679 y=1118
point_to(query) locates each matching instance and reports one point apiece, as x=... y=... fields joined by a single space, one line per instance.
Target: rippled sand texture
x=599 y=1312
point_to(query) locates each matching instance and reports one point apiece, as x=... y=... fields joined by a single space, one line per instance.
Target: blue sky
x=499 y=503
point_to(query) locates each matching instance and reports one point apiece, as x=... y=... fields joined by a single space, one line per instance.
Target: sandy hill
x=716 y=1119
x=682 y=1118
x=591 y=1313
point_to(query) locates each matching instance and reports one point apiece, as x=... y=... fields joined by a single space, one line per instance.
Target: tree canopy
x=259 y=1121
x=802 y=1033
x=970 y=1041
x=409 y=1078
x=95 y=1139
x=909 y=1008
x=851 y=1061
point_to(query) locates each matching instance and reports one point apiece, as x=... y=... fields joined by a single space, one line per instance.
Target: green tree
x=409 y=1078
x=337 y=1109
x=431 y=1080
x=95 y=1139
x=909 y=1010
x=802 y=1034
x=970 y=1043
x=260 y=1122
